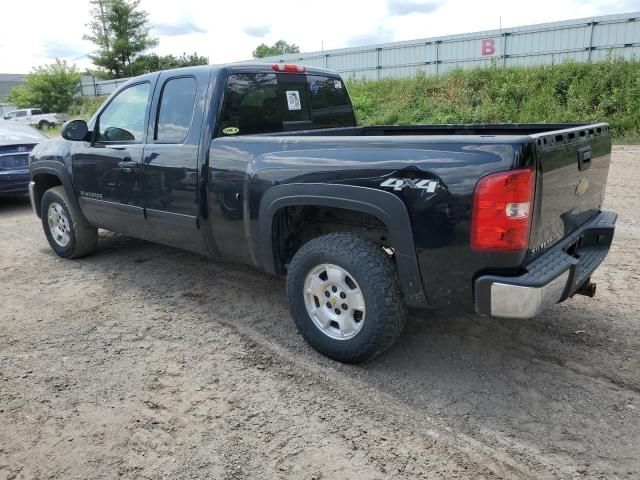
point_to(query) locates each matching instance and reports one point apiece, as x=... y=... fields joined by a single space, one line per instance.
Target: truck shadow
x=547 y=382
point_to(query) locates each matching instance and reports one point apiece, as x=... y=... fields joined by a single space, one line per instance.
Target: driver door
x=108 y=170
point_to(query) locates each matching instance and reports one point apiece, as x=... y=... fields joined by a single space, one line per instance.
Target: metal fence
x=92 y=87
x=582 y=40
x=6 y=108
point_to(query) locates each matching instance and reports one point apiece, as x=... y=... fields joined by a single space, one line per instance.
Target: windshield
x=270 y=102
x=20 y=134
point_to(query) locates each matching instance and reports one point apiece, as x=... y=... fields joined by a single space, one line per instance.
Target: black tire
x=375 y=274
x=43 y=124
x=82 y=239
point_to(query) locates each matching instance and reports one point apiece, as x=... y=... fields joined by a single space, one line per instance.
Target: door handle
x=128 y=166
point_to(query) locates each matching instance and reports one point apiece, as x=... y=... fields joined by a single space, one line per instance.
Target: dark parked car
x=265 y=165
x=16 y=143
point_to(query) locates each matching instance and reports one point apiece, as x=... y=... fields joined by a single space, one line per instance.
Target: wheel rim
x=334 y=301
x=58 y=224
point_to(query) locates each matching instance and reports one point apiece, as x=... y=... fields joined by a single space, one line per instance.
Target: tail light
x=501 y=215
x=288 y=67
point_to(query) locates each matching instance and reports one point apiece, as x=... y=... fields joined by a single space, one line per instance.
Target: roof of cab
x=240 y=67
x=263 y=67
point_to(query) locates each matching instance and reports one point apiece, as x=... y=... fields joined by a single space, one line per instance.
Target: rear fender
x=388 y=208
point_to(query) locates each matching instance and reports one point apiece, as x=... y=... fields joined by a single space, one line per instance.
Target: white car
x=35 y=117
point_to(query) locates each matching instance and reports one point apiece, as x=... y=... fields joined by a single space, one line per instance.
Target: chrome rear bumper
x=550 y=278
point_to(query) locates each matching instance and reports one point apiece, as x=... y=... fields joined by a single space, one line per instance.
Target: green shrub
x=50 y=87
x=85 y=107
x=607 y=91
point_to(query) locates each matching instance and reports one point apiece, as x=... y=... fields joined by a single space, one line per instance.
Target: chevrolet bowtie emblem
x=582 y=186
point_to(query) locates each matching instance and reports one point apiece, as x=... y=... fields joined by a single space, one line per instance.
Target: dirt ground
x=143 y=361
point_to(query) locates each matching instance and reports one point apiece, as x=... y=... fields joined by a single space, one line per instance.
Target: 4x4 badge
x=420 y=183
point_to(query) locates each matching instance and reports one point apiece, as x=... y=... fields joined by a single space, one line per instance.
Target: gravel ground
x=143 y=361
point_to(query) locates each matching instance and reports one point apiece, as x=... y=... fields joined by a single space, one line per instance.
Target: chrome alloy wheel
x=58 y=224
x=334 y=301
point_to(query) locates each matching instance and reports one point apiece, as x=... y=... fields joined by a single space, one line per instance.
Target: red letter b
x=488 y=46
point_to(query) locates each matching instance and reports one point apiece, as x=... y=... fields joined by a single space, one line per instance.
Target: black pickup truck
x=265 y=165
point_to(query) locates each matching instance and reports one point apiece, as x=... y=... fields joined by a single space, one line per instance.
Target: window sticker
x=337 y=84
x=230 y=130
x=315 y=87
x=293 y=100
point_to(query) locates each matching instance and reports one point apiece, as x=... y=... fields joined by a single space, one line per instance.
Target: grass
x=607 y=91
x=52 y=131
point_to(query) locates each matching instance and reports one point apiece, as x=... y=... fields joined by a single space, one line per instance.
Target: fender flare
x=57 y=169
x=385 y=206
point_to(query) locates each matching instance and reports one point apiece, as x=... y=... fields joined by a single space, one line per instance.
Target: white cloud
x=257 y=31
x=183 y=26
x=407 y=7
x=219 y=32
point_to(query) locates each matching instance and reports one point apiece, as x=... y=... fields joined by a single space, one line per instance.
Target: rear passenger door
x=171 y=160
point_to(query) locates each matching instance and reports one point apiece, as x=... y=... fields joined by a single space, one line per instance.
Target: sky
x=35 y=32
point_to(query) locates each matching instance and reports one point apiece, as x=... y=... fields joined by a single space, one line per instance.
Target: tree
x=153 y=62
x=279 y=48
x=120 y=30
x=50 y=87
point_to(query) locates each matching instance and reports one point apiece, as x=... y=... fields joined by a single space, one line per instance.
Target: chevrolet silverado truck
x=35 y=117
x=265 y=165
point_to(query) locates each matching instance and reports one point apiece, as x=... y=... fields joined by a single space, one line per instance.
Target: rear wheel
x=43 y=124
x=345 y=297
x=63 y=226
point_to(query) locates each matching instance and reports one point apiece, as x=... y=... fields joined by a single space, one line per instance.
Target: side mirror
x=75 y=130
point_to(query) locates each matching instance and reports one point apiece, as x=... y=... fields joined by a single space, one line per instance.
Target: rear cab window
x=175 y=114
x=282 y=102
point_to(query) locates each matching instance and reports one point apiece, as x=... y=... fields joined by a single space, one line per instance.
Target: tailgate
x=573 y=165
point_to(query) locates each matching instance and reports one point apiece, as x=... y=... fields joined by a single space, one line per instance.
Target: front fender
x=58 y=170
x=388 y=208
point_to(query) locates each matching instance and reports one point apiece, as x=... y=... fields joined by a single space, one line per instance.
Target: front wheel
x=63 y=225
x=345 y=297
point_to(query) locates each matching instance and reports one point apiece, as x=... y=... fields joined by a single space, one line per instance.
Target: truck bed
x=448 y=130
x=455 y=157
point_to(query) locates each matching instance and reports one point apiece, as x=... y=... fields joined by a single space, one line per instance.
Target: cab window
x=270 y=102
x=330 y=103
x=176 y=110
x=123 y=119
